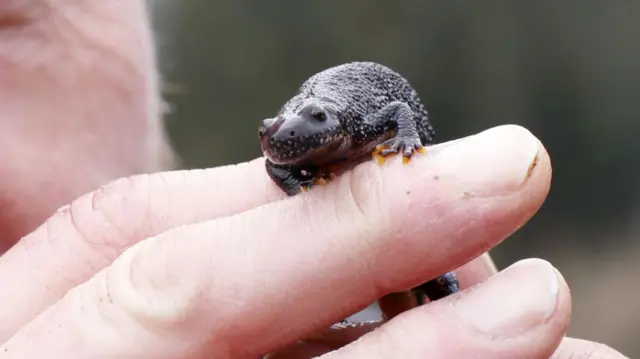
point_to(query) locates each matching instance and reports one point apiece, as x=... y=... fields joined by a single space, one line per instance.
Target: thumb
x=522 y=312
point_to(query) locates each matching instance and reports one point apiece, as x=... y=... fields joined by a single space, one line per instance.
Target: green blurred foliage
x=569 y=71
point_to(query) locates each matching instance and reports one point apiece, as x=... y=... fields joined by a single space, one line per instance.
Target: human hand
x=222 y=265
x=182 y=290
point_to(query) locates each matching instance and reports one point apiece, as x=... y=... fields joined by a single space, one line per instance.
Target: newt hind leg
x=437 y=288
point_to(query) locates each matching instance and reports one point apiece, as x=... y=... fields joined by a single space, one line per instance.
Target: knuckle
x=369 y=215
x=133 y=299
x=118 y=213
x=365 y=191
x=98 y=226
x=151 y=294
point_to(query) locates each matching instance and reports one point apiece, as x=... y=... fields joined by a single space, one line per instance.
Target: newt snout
x=292 y=138
x=282 y=140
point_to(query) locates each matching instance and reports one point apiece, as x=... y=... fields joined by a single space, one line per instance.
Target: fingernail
x=494 y=161
x=516 y=300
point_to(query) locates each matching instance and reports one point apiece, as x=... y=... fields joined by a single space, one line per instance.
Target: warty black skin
x=341 y=114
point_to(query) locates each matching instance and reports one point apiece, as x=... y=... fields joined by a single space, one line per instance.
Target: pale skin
x=209 y=271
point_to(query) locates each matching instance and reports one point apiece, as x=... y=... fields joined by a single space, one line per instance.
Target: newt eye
x=319 y=115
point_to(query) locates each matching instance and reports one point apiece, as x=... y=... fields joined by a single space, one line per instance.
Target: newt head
x=310 y=134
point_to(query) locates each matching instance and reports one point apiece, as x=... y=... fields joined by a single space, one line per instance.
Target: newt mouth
x=295 y=141
x=284 y=152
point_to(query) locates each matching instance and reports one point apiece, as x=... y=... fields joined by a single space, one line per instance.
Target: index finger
x=86 y=236
x=225 y=286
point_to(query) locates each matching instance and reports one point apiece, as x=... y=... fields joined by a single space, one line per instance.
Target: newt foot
x=321 y=178
x=392 y=147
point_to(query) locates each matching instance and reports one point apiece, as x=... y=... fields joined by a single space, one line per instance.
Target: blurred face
x=66 y=128
x=55 y=149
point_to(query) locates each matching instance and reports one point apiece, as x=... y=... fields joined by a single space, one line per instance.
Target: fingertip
x=494 y=162
x=493 y=181
x=504 y=305
x=521 y=312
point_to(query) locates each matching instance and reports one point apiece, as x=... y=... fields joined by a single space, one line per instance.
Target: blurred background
x=568 y=71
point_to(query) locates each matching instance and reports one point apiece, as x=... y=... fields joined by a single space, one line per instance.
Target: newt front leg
x=397 y=120
x=293 y=179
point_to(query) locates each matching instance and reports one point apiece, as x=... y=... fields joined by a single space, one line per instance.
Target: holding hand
x=219 y=263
